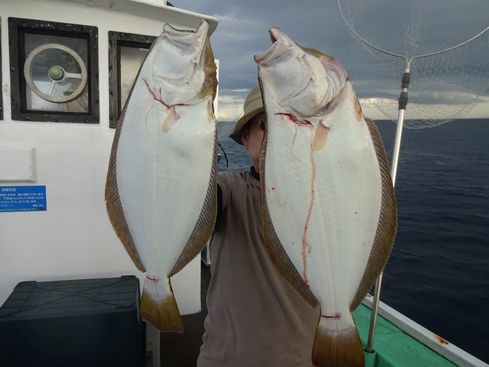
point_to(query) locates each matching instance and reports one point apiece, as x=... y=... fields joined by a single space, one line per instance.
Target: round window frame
x=37 y=91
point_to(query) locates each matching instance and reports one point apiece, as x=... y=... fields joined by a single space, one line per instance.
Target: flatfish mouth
x=160 y=191
x=328 y=199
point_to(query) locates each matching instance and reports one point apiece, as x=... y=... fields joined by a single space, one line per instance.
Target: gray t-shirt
x=255 y=318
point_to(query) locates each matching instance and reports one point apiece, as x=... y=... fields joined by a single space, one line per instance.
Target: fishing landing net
x=444 y=43
x=438 y=50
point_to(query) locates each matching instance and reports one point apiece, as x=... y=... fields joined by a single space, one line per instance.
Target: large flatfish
x=161 y=191
x=329 y=201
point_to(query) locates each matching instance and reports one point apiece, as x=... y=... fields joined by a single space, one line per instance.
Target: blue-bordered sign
x=22 y=198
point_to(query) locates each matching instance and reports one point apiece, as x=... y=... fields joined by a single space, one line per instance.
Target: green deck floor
x=393 y=347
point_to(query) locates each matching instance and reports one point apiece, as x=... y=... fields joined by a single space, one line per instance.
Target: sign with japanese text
x=22 y=198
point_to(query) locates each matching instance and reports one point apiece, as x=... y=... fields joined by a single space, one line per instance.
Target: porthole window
x=54 y=70
x=127 y=52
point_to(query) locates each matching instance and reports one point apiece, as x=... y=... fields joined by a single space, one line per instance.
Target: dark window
x=54 y=71
x=127 y=52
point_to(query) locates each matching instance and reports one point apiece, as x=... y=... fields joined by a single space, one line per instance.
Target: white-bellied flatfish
x=161 y=191
x=330 y=207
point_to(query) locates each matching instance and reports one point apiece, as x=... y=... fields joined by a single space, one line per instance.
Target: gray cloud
x=243 y=32
x=414 y=27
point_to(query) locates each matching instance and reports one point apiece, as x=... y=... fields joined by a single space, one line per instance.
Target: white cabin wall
x=73 y=238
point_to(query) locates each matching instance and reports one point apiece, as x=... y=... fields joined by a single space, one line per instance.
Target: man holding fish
x=255 y=318
x=299 y=238
x=324 y=215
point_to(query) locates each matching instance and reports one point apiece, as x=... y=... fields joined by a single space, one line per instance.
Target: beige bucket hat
x=253 y=105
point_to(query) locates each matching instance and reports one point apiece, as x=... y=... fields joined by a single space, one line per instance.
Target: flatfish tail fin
x=275 y=249
x=114 y=205
x=387 y=226
x=205 y=223
x=336 y=346
x=159 y=306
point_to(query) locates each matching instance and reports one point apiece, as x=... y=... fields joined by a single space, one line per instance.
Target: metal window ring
x=56 y=74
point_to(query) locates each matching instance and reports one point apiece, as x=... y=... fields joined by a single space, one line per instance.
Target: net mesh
x=444 y=87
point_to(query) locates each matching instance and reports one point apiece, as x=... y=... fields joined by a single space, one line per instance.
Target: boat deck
x=393 y=347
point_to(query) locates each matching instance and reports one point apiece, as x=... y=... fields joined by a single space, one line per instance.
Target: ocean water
x=438 y=273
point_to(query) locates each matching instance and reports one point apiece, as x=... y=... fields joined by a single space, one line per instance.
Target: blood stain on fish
x=153 y=278
x=335 y=316
x=306 y=248
x=170 y=119
x=320 y=135
x=155 y=97
x=294 y=119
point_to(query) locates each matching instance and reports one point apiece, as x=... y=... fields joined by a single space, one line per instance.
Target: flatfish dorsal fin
x=114 y=205
x=387 y=226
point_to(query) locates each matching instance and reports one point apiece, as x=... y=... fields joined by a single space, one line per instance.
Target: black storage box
x=89 y=323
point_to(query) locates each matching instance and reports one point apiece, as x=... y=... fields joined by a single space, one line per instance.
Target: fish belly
x=329 y=204
x=160 y=191
x=163 y=178
x=165 y=167
x=324 y=205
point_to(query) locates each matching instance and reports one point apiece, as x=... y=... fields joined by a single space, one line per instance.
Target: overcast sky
x=407 y=27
